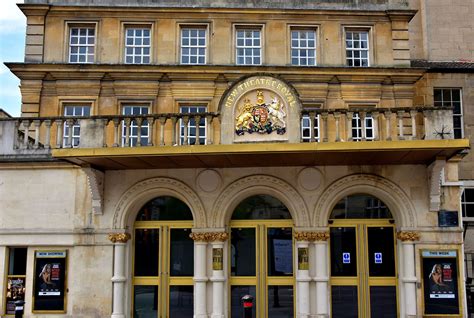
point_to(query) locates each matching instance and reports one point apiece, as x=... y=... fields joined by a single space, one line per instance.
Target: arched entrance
x=163 y=260
x=363 y=259
x=261 y=257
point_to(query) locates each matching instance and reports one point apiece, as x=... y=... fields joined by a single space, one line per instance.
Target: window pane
x=383 y=301
x=381 y=252
x=17 y=261
x=261 y=207
x=146 y=252
x=343 y=251
x=236 y=294
x=280 y=301
x=360 y=206
x=145 y=301
x=243 y=252
x=280 y=251
x=181 y=301
x=344 y=301
x=181 y=253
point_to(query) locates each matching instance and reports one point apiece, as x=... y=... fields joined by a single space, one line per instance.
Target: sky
x=12 y=48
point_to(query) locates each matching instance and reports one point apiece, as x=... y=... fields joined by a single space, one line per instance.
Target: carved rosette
x=119 y=237
x=311 y=236
x=209 y=236
x=406 y=236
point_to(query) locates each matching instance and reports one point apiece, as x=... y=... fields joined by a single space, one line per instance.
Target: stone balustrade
x=376 y=124
x=329 y=125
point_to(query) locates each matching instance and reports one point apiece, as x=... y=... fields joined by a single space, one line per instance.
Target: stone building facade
x=173 y=157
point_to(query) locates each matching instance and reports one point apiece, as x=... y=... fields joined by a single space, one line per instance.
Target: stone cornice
x=209 y=236
x=311 y=236
x=96 y=72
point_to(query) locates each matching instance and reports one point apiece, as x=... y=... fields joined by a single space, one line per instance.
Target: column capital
x=119 y=237
x=311 y=236
x=405 y=236
x=209 y=236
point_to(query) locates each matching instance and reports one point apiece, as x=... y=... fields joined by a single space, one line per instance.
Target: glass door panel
x=146 y=252
x=280 y=301
x=383 y=301
x=343 y=251
x=242 y=252
x=181 y=253
x=181 y=301
x=236 y=294
x=280 y=252
x=145 y=299
x=345 y=302
x=381 y=251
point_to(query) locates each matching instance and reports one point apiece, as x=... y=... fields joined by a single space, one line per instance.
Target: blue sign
x=378 y=258
x=346 y=258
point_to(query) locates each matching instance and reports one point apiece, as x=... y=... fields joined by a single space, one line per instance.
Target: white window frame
x=465 y=204
x=353 y=49
x=357 y=127
x=133 y=137
x=138 y=46
x=244 y=46
x=450 y=103
x=299 y=48
x=186 y=109
x=306 y=126
x=78 y=110
x=189 y=45
x=89 y=57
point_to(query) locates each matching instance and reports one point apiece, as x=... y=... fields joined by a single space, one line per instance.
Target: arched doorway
x=363 y=259
x=261 y=257
x=163 y=260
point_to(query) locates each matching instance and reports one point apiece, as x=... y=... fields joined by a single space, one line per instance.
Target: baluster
x=127 y=122
x=209 y=132
x=197 y=119
x=400 y=124
x=16 y=135
x=185 y=133
x=426 y=116
x=138 y=122
x=59 y=133
x=349 y=116
x=324 y=117
x=117 y=132
x=162 y=129
x=47 y=142
x=37 y=124
x=70 y=124
x=151 y=130
x=174 y=120
x=105 y=123
x=312 y=133
x=377 y=134
x=363 y=127
x=337 y=116
x=388 y=125
x=26 y=127
x=413 y=113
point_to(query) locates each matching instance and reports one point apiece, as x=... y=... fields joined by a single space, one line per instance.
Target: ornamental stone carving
x=209 y=236
x=119 y=237
x=405 y=236
x=311 y=236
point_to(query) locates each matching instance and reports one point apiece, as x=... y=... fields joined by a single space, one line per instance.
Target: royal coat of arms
x=261 y=117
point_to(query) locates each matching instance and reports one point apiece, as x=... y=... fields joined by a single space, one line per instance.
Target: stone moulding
x=311 y=236
x=209 y=236
x=406 y=236
x=119 y=237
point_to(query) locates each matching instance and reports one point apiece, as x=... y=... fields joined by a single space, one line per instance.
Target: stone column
x=302 y=278
x=318 y=240
x=119 y=279
x=200 y=274
x=409 y=277
x=218 y=278
x=322 y=274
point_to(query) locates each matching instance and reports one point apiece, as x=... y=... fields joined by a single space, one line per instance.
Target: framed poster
x=15 y=292
x=440 y=282
x=49 y=284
